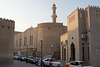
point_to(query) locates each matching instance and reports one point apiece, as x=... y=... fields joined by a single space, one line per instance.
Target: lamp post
x=27 y=53
x=41 y=49
x=52 y=50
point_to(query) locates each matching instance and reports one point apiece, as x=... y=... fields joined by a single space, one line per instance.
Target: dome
x=29 y=28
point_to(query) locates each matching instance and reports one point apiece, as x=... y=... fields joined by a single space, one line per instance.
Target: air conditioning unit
x=83 y=36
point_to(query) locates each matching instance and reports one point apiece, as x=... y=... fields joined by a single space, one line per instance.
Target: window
x=61 y=43
x=74 y=63
x=49 y=28
x=52 y=60
x=72 y=37
x=16 y=43
x=47 y=60
x=82 y=63
x=66 y=41
x=83 y=52
x=8 y=27
x=13 y=28
x=82 y=43
x=31 y=40
x=96 y=13
x=20 y=42
x=88 y=54
x=2 y=26
x=80 y=15
x=25 y=41
x=86 y=14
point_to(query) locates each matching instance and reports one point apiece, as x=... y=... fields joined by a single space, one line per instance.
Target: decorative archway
x=72 y=52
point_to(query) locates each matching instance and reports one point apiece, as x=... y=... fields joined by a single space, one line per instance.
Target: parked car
x=22 y=58
x=51 y=62
x=77 y=64
x=16 y=57
x=31 y=59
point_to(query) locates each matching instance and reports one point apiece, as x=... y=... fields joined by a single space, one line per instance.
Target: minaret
x=54 y=16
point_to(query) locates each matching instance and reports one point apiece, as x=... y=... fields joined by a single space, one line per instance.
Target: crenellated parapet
x=80 y=8
x=91 y=6
x=6 y=20
x=6 y=23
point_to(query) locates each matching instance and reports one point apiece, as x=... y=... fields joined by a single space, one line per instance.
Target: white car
x=31 y=59
x=22 y=58
x=77 y=64
x=51 y=62
x=16 y=57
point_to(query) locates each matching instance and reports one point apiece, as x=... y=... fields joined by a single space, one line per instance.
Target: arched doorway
x=72 y=52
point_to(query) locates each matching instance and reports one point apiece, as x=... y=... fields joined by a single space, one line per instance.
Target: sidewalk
x=17 y=64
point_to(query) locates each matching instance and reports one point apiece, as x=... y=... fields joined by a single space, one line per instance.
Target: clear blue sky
x=32 y=12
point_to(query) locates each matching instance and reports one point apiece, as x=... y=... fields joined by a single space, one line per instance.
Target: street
x=17 y=63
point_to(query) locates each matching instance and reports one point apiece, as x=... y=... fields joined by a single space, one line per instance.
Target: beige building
x=6 y=40
x=83 y=35
x=24 y=40
x=64 y=42
x=49 y=31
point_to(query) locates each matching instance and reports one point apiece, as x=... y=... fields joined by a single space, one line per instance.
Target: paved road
x=17 y=64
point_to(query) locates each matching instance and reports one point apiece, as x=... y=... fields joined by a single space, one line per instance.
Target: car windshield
x=32 y=57
x=82 y=63
x=16 y=55
x=52 y=60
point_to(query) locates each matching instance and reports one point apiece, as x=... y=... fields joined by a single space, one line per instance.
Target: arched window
x=72 y=52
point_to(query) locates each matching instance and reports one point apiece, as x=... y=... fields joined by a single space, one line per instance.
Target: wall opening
x=72 y=52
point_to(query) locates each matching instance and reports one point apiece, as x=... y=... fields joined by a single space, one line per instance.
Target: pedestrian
x=69 y=59
x=37 y=59
x=83 y=60
x=39 y=62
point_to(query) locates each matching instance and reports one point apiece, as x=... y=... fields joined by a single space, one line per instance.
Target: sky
x=27 y=13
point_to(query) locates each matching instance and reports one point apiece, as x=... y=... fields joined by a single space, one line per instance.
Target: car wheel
x=50 y=65
x=43 y=64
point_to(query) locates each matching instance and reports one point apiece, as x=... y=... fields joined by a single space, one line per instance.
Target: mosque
x=79 y=40
x=50 y=32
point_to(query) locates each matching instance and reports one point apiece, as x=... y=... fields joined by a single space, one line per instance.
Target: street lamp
x=27 y=53
x=41 y=49
x=52 y=50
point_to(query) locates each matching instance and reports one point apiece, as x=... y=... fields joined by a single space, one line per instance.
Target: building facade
x=25 y=42
x=63 y=46
x=50 y=32
x=6 y=40
x=83 y=35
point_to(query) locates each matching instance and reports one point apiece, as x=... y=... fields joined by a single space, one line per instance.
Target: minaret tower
x=54 y=16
